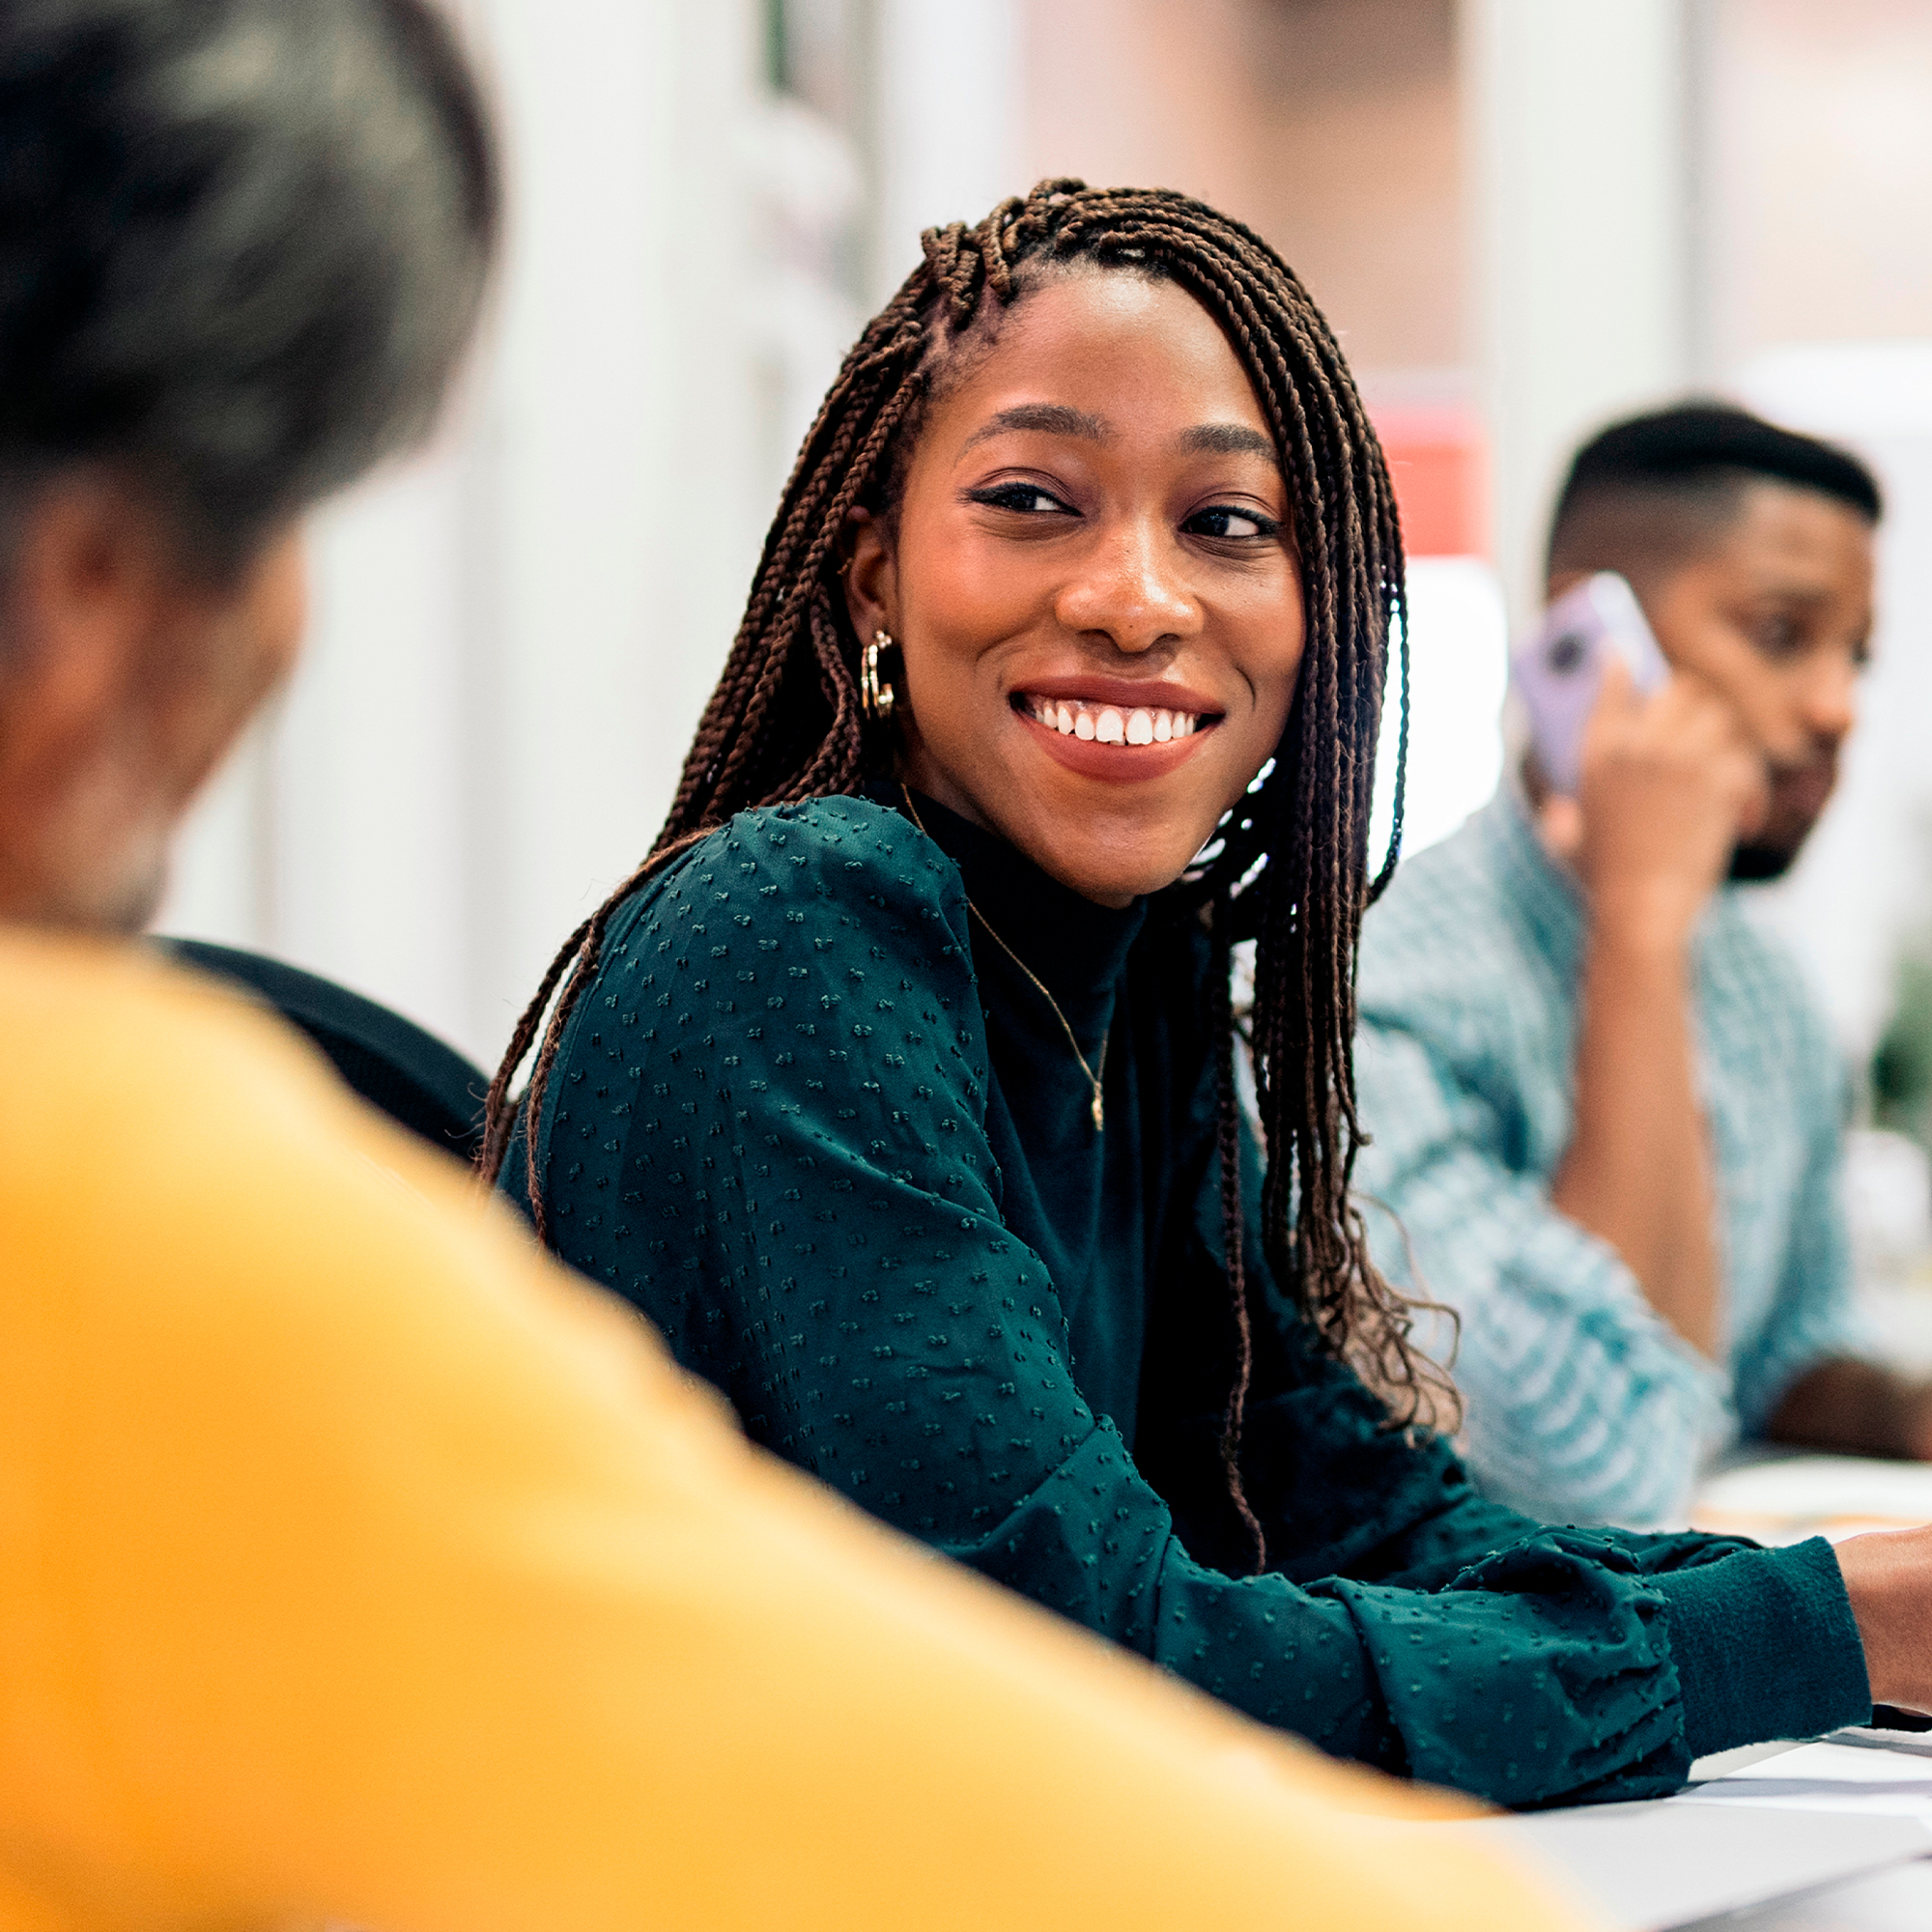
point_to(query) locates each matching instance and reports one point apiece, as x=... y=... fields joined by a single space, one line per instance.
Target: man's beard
x=1755 y=864
x=1798 y=796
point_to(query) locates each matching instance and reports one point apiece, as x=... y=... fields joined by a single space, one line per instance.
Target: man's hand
x=1669 y=785
x=1856 y=1408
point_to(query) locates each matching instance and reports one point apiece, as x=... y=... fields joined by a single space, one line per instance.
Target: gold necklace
x=1099 y=1065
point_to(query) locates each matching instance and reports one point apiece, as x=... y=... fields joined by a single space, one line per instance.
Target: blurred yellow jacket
x=358 y=1566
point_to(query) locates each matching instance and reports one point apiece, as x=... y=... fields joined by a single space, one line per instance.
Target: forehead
x=1139 y=353
x=1789 y=539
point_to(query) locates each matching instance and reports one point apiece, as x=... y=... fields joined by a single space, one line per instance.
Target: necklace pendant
x=1099 y=1117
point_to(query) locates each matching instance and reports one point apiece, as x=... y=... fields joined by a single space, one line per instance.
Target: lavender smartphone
x=1560 y=667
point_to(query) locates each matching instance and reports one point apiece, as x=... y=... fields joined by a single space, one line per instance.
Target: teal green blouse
x=832 y=1141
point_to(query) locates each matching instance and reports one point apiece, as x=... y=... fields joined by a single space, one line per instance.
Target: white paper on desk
x=1828 y=1777
x=1663 y=1863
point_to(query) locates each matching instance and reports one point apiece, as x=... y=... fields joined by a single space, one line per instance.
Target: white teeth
x=1109 y=725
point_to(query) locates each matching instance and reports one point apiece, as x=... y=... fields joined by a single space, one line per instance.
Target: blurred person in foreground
x=357 y=1565
x=1606 y=1114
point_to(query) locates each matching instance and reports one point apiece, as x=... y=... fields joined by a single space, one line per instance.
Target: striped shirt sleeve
x=1814 y=1317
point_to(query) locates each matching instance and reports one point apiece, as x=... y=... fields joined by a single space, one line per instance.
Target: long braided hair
x=1288 y=868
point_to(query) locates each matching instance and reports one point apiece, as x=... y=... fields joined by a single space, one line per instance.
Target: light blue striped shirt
x=1583 y=1404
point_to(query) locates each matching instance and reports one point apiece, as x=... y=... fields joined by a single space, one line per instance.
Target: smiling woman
x=1098 y=596
x=898 y=1085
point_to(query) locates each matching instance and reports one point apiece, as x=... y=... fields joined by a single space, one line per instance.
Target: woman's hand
x=1889 y=1578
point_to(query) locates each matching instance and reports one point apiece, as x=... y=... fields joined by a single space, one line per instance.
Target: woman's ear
x=871 y=575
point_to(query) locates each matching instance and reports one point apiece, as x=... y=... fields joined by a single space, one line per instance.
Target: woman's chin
x=1114 y=834
x=1111 y=871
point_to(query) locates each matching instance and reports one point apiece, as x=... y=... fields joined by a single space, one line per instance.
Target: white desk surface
x=1782 y=1498
x=1898 y=1899
x=1829 y=1780
x=1835 y=1828
x=1780 y=1838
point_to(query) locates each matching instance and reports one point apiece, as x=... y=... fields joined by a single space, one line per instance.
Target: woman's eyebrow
x=1055 y=418
x=1226 y=440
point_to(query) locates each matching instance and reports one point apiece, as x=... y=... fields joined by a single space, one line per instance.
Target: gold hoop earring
x=877 y=697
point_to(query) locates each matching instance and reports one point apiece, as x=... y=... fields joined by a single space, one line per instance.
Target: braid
x=1234 y=1232
x=1288 y=868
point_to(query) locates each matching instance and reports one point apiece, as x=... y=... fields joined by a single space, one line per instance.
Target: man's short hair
x=241 y=242
x=1652 y=491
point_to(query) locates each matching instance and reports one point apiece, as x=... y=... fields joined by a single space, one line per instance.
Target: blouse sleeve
x=770 y=1134
x=1726 y=1642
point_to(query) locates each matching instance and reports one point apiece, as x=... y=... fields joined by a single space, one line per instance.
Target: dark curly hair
x=1290 y=867
x=242 y=243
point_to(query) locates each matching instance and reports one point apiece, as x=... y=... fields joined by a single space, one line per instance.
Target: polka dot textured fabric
x=768 y=1130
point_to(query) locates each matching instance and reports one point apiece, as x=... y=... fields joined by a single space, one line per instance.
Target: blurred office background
x=1522 y=215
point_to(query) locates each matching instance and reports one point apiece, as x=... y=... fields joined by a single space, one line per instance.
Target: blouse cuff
x=1765 y=1645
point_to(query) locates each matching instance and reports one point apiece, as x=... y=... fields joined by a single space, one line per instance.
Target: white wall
x=619 y=513
x=1582 y=178
x=947 y=123
x=1864 y=886
x=1459 y=667
x=513 y=633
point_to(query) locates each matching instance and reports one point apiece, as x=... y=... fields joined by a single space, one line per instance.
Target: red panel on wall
x=1435 y=459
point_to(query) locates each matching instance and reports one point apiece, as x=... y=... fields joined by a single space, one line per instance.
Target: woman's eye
x=1227 y=523
x=1028 y=498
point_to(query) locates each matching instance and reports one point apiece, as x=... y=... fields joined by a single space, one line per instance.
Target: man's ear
x=871 y=577
x=86 y=592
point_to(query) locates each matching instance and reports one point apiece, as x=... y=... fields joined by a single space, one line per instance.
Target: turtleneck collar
x=1078 y=950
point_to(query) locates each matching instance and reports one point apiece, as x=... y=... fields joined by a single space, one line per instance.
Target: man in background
x=356 y=1566
x=1605 y=1112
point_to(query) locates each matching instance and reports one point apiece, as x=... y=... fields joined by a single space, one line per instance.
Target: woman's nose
x=1130 y=590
